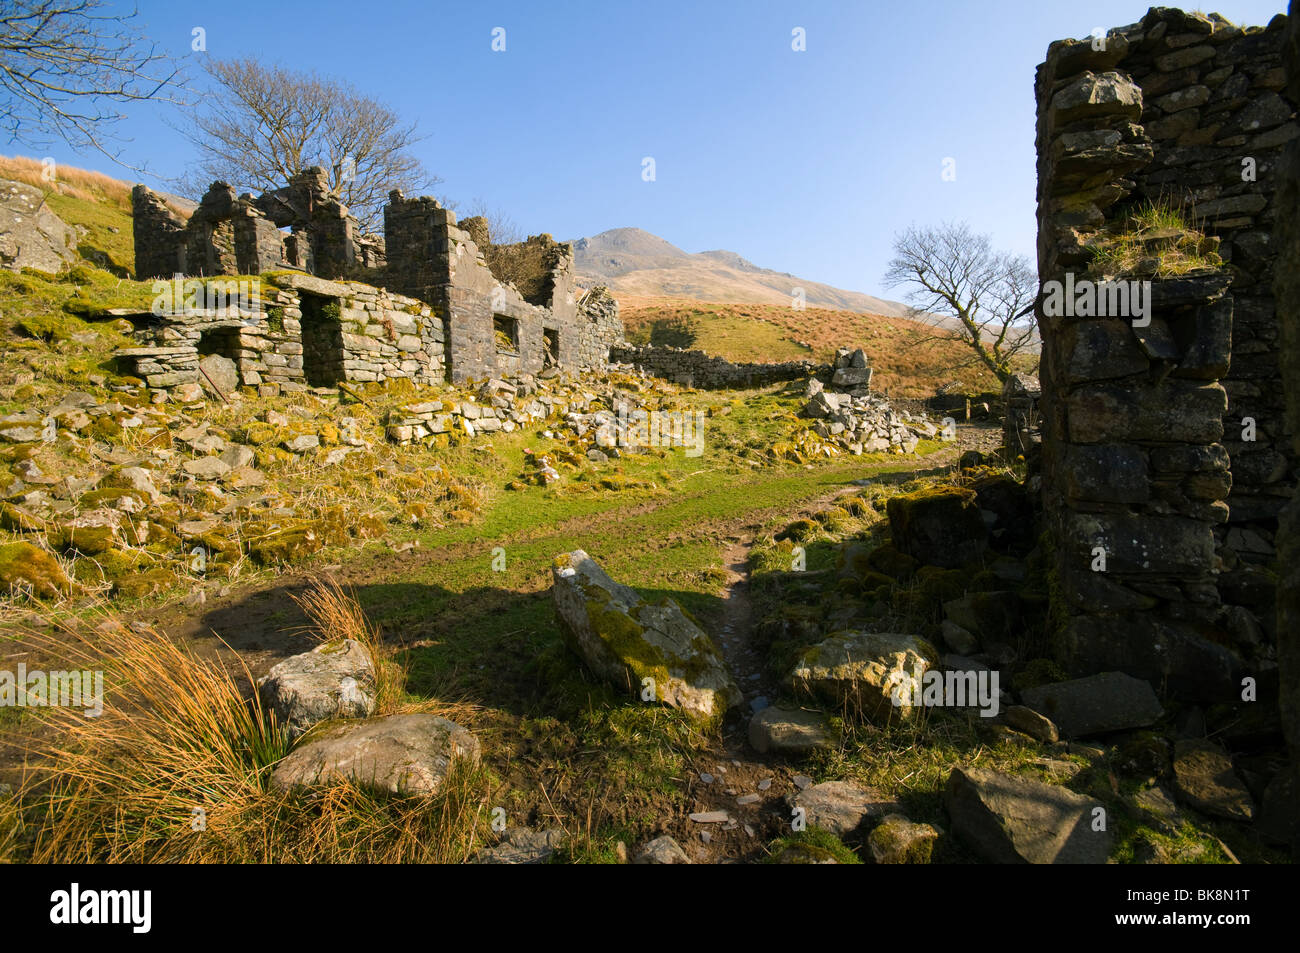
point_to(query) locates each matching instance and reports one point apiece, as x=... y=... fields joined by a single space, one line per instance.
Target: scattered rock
x=302 y=444
x=206 y=468
x=787 y=731
x=896 y=840
x=939 y=526
x=522 y=845
x=662 y=850
x=627 y=640
x=1031 y=723
x=839 y=807
x=861 y=671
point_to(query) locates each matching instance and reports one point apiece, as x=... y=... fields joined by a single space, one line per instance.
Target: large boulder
x=1010 y=820
x=334 y=680
x=398 y=754
x=626 y=639
x=1110 y=701
x=940 y=526
x=865 y=673
x=31 y=236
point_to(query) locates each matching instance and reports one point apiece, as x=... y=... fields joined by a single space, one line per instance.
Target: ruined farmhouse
x=332 y=304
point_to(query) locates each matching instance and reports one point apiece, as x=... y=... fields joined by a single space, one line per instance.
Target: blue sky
x=807 y=162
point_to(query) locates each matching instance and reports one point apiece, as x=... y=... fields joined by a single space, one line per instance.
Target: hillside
x=910 y=359
x=634 y=262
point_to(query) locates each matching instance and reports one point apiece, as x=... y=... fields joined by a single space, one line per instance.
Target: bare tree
x=953 y=272
x=66 y=68
x=260 y=124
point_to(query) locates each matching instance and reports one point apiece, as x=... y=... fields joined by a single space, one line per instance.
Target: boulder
x=839 y=807
x=409 y=755
x=334 y=680
x=1032 y=723
x=788 y=731
x=1010 y=820
x=1204 y=779
x=896 y=840
x=1111 y=701
x=626 y=639
x=940 y=526
x=221 y=373
x=863 y=672
x=851 y=377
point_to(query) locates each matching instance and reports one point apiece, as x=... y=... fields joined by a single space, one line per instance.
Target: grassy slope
x=910 y=360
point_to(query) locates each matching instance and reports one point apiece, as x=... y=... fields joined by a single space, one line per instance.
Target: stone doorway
x=322 y=340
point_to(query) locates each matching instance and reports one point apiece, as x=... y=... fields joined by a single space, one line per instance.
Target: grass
x=1156 y=238
x=176 y=770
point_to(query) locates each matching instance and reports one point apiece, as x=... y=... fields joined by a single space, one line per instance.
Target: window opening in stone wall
x=506 y=332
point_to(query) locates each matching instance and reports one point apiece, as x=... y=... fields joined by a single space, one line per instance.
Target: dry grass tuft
x=176 y=769
x=336 y=614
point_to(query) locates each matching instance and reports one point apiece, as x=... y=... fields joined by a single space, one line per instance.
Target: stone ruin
x=1150 y=459
x=1169 y=441
x=335 y=305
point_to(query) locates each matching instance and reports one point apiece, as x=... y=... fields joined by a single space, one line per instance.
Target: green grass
x=1154 y=238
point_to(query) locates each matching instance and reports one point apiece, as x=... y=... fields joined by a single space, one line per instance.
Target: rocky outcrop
x=640 y=646
x=32 y=236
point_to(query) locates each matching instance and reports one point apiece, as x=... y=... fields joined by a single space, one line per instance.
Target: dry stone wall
x=1161 y=503
x=698 y=369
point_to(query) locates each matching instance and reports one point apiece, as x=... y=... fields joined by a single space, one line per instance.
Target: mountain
x=633 y=261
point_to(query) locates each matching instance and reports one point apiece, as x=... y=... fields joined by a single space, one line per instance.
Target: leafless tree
x=952 y=272
x=68 y=66
x=259 y=124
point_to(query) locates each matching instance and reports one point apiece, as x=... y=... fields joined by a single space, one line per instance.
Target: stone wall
x=1160 y=513
x=1286 y=288
x=698 y=369
x=159 y=236
x=303 y=331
